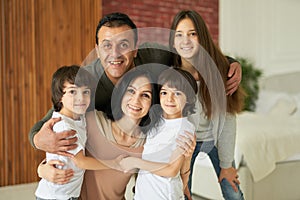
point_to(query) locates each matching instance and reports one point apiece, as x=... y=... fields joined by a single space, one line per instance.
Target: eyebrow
x=136 y=89
x=122 y=40
x=171 y=89
x=188 y=30
x=71 y=87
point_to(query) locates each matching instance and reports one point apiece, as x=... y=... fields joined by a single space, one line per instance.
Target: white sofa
x=266 y=171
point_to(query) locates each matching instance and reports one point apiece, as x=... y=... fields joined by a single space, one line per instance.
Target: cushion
x=275 y=103
x=283 y=107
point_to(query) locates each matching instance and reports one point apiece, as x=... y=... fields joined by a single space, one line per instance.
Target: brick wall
x=159 y=13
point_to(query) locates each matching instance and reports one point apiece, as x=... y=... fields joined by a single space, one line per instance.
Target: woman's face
x=186 y=41
x=137 y=98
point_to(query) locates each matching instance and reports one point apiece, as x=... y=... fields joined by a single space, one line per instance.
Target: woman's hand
x=51 y=173
x=187 y=143
x=231 y=175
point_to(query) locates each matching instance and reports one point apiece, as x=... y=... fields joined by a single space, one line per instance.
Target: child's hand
x=187 y=193
x=128 y=164
x=115 y=163
x=187 y=143
x=51 y=173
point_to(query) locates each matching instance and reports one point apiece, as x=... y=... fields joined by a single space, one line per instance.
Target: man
x=116 y=40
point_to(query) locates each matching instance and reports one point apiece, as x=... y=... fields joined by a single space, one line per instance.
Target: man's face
x=116 y=50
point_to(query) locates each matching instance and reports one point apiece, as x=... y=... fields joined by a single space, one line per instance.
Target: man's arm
x=42 y=137
x=234 y=76
x=37 y=126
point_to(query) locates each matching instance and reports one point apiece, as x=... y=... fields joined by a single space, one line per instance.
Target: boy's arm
x=42 y=137
x=91 y=163
x=179 y=161
x=185 y=171
x=170 y=169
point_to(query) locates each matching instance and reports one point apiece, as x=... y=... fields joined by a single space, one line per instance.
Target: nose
x=115 y=52
x=170 y=97
x=79 y=96
x=135 y=98
x=186 y=39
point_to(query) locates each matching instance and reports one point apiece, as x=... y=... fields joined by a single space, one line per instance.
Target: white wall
x=265 y=31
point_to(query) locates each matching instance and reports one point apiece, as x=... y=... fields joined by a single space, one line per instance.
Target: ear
x=135 y=53
x=97 y=50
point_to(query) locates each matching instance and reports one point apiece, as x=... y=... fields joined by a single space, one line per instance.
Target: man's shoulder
x=153 y=45
x=150 y=52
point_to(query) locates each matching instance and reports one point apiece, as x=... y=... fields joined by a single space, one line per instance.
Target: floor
x=26 y=192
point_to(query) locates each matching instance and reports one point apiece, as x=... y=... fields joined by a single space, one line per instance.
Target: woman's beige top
x=101 y=144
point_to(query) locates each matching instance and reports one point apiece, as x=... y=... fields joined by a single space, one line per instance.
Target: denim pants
x=212 y=151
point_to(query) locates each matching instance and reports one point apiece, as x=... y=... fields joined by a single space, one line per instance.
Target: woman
x=121 y=133
x=118 y=134
x=196 y=53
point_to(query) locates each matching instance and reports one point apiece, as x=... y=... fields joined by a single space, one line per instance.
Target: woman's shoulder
x=98 y=119
x=95 y=114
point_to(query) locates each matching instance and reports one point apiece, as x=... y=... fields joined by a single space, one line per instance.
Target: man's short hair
x=116 y=20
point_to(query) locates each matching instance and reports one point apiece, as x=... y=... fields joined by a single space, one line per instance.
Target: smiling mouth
x=80 y=105
x=115 y=62
x=170 y=105
x=187 y=48
x=134 y=108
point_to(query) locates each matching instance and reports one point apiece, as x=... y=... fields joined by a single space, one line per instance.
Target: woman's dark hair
x=117 y=20
x=147 y=121
x=74 y=75
x=184 y=82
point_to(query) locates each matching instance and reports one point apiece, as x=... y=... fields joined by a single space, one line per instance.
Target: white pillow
x=275 y=103
x=283 y=107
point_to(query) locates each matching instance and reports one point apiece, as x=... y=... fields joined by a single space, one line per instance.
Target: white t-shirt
x=159 y=146
x=49 y=190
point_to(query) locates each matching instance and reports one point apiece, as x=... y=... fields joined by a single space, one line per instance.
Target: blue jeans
x=212 y=151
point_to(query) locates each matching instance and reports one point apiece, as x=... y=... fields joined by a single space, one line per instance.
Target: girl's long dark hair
x=235 y=102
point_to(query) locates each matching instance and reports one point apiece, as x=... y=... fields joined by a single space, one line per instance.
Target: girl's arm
x=226 y=146
x=91 y=163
